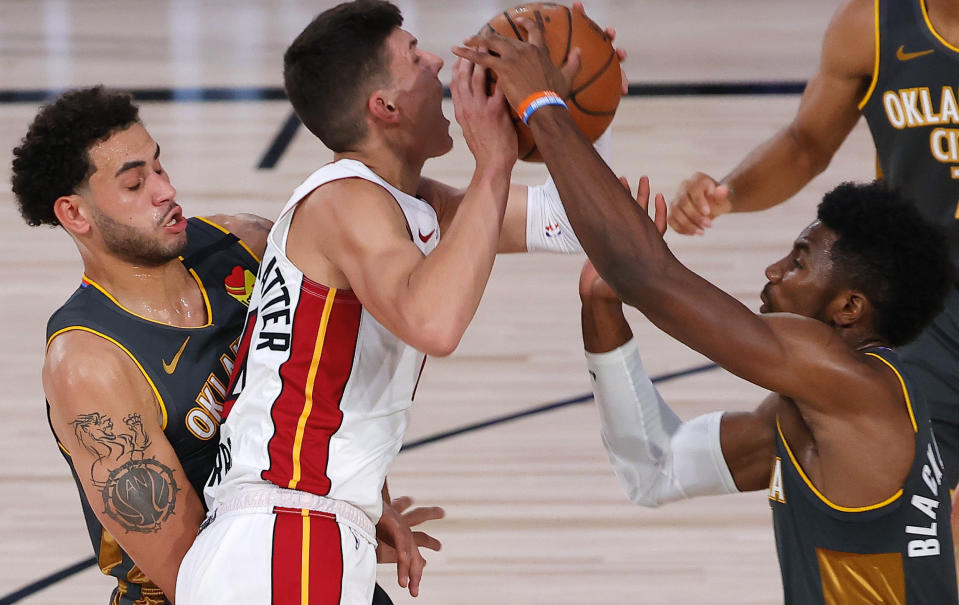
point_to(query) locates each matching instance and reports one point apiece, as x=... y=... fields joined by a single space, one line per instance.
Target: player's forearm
x=447 y=286
x=774 y=172
x=615 y=233
x=159 y=548
x=604 y=325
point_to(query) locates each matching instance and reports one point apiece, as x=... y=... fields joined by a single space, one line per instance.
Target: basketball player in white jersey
x=356 y=287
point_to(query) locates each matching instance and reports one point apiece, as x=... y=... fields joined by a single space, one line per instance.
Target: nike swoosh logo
x=902 y=55
x=170 y=368
x=426 y=238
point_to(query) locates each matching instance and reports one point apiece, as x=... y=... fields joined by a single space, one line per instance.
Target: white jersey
x=320 y=394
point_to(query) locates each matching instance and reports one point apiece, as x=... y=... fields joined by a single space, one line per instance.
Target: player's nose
x=774 y=272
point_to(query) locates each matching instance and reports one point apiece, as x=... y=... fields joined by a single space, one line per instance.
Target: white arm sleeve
x=547 y=228
x=657 y=457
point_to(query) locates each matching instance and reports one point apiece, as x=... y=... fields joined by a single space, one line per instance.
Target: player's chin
x=442 y=142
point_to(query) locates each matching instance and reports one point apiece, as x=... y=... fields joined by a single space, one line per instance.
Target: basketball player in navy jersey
x=138 y=358
x=893 y=62
x=844 y=443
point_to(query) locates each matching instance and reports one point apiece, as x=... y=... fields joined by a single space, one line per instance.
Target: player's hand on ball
x=521 y=68
x=620 y=52
x=699 y=200
x=483 y=116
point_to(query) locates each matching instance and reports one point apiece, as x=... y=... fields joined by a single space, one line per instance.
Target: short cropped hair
x=334 y=64
x=890 y=253
x=52 y=160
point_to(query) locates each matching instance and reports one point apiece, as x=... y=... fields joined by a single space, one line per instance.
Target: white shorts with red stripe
x=281 y=547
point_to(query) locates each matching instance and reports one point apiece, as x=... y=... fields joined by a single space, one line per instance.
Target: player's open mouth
x=174 y=219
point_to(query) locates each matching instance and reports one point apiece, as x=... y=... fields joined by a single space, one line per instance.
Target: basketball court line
x=276 y=93
x=63 y=574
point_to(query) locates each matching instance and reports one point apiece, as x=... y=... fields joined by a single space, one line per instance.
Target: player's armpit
x=107 y=419
x=748 y=441
x=446 y=199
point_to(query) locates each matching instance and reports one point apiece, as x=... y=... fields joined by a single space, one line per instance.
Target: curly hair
x=889 y=252
x=52 y=161
x=334 y=63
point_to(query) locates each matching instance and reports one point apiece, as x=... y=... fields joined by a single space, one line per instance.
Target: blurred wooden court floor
x=534 y=513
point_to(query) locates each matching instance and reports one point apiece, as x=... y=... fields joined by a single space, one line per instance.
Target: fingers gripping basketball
x=595 y=90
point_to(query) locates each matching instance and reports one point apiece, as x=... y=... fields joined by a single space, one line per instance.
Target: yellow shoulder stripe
x=225 y=230
x=825 y=500
x=156 y=392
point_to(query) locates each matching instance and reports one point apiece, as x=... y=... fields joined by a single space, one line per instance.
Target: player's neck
x=166 y=293
x=397 y=167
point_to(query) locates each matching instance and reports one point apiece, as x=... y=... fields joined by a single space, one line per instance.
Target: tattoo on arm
x=138 y=492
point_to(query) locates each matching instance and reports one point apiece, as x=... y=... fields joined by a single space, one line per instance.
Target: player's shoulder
x=350 y=201
x=851 y=34
x=250 y=228
x=79 y=359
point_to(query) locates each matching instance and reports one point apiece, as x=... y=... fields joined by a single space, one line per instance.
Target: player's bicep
x=106 y=417
x=364 y=234
x=829 y=107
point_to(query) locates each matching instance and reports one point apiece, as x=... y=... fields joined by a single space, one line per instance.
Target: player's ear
x=848 y=307
x=382 y=106
x=73 y=213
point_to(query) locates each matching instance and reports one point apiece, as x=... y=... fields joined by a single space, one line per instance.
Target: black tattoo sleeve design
x=138 y=492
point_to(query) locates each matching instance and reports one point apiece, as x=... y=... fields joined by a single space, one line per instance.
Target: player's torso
x=320 y=398
x=895 y=551
x=188 y=369
x=913 y=113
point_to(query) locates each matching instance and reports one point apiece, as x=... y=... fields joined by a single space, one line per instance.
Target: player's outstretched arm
x=627 y=250
x=778 y=168
x=106 y=417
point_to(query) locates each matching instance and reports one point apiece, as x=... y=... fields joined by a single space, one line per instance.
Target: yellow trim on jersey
x=875 y=68
x=206 y=299
x=845 y=509
x=305 y=559
x=310 y=378
x=199 y=282
x=905 y=393
x=225 y=230
x=925 y=15
x=156 y=393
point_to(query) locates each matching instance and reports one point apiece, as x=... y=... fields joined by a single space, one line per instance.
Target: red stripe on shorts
x=312 y=539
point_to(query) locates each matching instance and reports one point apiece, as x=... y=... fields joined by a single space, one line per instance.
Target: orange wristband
x=537 y=100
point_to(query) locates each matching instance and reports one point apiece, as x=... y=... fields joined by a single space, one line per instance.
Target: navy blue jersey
x=895 y=552
x=912 y=110
x=187 y=368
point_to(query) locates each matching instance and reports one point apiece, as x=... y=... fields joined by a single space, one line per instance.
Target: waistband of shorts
x=267 y=498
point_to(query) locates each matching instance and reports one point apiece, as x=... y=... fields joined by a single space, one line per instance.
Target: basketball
x=596 y=89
